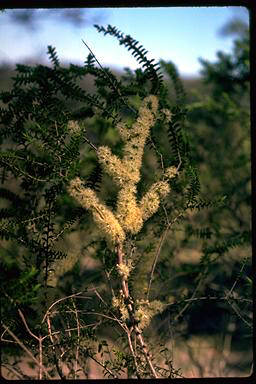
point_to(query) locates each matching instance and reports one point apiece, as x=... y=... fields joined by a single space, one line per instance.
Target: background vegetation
x=203 y=272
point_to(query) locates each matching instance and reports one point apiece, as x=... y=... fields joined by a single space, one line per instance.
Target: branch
x=161 y=242
x=156 y=257
x=130 y=308
x=63 y=298
x=54 y=350
x=110 y=80
x=133 y=353
x=20 y=377
x=78 y=336
x=91 y=144
x=237 y=279
x=193 y=296
x=103 y=366
x=208 y=298
x=26 y=350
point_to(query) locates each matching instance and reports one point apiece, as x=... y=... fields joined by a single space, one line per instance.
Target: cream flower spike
x=130 y=214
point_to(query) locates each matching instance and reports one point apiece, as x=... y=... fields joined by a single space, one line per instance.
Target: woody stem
x=130 y=308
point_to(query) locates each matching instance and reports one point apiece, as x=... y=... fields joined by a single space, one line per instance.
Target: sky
x=178 y=34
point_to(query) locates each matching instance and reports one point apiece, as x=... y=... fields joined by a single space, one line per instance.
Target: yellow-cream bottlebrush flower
x=119 y=304
x=133 y=152
x=126 y=173
x=124 y=131
x=149 y=204
x=128 y=212
x=74 y=127
x=171 y=172
x=102 y=215
x=125 y=269
x=115 y=167
x=146 y=310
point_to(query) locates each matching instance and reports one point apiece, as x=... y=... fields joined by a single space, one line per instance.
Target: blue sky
x=179 y=34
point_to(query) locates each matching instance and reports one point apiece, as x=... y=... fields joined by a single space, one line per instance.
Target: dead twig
x=19 y=375
x=40 y=365
x=59 y=300
x=78 y=336
x=54 y=349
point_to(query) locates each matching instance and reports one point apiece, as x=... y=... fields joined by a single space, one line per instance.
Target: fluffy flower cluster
x=125 y=269
x=127 y=169
x=118 y=303
x=74 y=127
x=146 y=310
x=130 y=214
x=103 y=216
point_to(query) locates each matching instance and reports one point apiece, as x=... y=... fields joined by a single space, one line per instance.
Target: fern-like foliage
x=94 y=179
x=194 y=185
x=232 y=241
x=173 y=73
x=176 y=135
x=53 y=56
x=151 y=69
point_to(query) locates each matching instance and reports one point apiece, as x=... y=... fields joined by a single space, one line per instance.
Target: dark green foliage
x=53 y=56
x=234 y=240
x=94 y=179
x=173 y=73
x=150 y=70
x=194 y=185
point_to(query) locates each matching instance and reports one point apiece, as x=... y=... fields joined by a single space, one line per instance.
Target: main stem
x=130 y=308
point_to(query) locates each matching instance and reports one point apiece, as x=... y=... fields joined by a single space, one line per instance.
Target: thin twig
x=59 y=300
x=40 y=341
x=114 y=318
x=24 y=173
x=26 y=350
x=75 y=329
x=13 y=371
x=237 y=279
x=6 y=340
x=156 y=258
x=91 y=144
x=66 y=226
x=192 y=297
x=239 y=314
x=159 y=153
x=161 y=242
x=26 y=325
x=103 y=366
x=99 y=296
x=78 y=337
x=40 y=358
x=54 y=349
x=108 y=275
x=133 y=353
x=110 y=80
x=206 y=298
